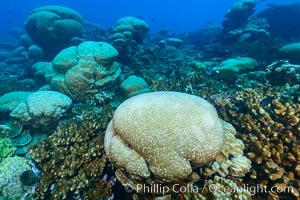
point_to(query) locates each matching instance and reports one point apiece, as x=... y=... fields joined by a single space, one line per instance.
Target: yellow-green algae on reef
x=6 y=148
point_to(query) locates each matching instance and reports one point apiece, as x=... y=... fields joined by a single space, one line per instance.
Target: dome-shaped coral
x=131 y=27
x=134 y=85
x=165 y=134
x=41 y=109
x=127 y=33
x=82 y=71
x=53 y=27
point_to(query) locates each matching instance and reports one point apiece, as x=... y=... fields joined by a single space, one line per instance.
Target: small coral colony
x=122 y=113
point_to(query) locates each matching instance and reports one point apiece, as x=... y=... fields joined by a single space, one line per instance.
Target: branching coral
x=72 y=159
x=267 y=120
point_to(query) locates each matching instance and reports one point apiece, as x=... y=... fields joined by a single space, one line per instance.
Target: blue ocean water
x=177 y=16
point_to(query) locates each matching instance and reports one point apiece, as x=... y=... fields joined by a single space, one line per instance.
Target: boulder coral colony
x=88 y=113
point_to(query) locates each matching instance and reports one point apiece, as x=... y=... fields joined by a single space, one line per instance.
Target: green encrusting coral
x=6 y=148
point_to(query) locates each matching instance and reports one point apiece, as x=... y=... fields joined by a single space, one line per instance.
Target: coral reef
x=267 y=120
x=41 y=109
x=53 y=28
x=10 y=83
x=230 y=161
x=291 y=52
x=10 y=170
x=238 y=15
x=34 y=54
x=82 y=71
x=175 y=42
x=176 y=132
x=11 y=128
x=229 y=69
x=134 y=85
x=131 y=28
x=183 y=75
x=72 y=159
x=254 y=30
x=186 y=134
x=20 y=139
x=127 y=33
x=23 y=139
x=43 y=73
x=238 y=68
x=224 y=99
x=282 y=72
x=277 y=18
x=6 y=148
x=10 y=100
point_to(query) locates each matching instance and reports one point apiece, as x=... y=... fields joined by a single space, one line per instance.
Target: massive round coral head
x=165 y=134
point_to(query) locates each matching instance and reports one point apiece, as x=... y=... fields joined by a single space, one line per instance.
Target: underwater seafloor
x=62 y=78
